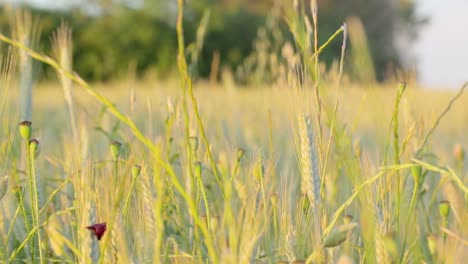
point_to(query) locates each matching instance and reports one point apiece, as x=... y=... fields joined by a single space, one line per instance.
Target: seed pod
x=34 y=147
x=240 y=153
x=444 y=208
x=432 y=244
x=338 y=235
x=25 y=129
x=136 y=169
x=115 y=148
x=274 y=200
x=197 y=168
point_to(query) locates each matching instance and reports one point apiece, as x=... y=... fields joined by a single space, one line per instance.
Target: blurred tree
x=109 y=35
x=391 y=26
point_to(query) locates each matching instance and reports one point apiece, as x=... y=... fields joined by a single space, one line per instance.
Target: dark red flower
x=98 y=229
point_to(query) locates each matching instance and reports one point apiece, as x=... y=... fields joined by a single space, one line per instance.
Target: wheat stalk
x=310 y=177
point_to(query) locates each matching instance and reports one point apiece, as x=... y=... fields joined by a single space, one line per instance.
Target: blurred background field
x=239 y=115
x=232 y=132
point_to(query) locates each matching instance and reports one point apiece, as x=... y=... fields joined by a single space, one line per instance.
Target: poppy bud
x=34 y=147
x=274 y=200
x=240 y=153
x=444 y=208
x=136 y=169
x=432 y=244
x=115 y=148
x=25 y=129
x=197 y=167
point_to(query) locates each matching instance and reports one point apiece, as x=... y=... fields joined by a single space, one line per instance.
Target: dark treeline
x=109 y=42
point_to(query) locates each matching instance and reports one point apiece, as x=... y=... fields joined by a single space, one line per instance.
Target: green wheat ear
x=3 y=186
x=259 y=169
x=310 y=178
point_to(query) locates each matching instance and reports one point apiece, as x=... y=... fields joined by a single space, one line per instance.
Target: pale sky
x=442 y=48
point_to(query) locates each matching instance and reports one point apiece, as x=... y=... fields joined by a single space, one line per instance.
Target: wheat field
x=178 y=172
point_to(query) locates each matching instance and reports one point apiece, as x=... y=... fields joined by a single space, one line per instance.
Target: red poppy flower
x=98 y=229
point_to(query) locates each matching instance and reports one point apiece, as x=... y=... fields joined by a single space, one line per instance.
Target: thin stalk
x=158 y=182
x=52 y=195
x=12 y=225
x=32 y=179
x=194 y=212
x=21 y=204
x=188 y=166
x=396 y=146
x=317 y=73
x=182 y=64
x=236 y=168
x=35 y=200
x=127 y=200
x=188 y=90
x=335 y=109
x=275 y=223
x=189 y=185
x=436 y=123
x=348 y=202
x=444 y=226
x=205 y=199
x=33 y=231
x=410 y=211
x=114 y=210
x=325 y=45
x=230 y=223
